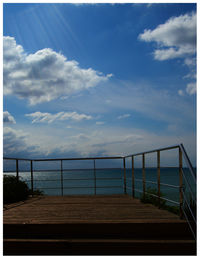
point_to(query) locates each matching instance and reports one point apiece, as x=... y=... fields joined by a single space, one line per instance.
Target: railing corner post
x=133 y=178
x=32 y=178
x=124 y=165
x=143 y=175
x=61 y=176
x=181 y=182
x=95 y=187
x=17 y=169
x=158 y=176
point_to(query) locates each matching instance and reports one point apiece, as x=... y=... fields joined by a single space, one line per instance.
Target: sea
x=109 y=181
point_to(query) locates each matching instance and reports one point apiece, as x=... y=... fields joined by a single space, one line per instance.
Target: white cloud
x=123 y=116
x=191 y=88
x=8 y=118
x=176 y=38
x=38 y=117
x=44 y=75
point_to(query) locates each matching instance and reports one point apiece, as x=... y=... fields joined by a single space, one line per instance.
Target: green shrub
x=149 y=198
x=14 y=190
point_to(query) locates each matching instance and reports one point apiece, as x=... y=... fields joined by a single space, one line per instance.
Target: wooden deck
x=68 y=209
x=93 y=225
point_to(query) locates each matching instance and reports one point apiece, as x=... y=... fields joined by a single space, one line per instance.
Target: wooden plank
x=64 y=209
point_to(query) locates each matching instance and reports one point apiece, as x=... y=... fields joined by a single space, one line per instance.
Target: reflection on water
x=108 y=181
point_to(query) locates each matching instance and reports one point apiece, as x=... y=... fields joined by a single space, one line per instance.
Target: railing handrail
x=188 y=162
x=153 y=150
x=59 y=159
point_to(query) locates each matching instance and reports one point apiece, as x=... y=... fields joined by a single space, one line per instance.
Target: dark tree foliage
x=14 y=190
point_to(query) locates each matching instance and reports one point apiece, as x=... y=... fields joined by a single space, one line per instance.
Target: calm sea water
x=108 y=181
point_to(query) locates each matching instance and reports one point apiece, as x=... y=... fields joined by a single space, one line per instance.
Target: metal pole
x=158 y=176
x=143 y=174
x=181 y=182
x=17 y=169
x=94 y=178
x=32 y=177
x=124 y=162
x=133 y=180
x=61 y=176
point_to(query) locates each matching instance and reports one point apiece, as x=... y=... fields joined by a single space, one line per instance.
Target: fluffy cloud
x=191 y=88
x=49 y=117
x=8 y=118
x=176 y=38
x=123 y=116
x=44 y=75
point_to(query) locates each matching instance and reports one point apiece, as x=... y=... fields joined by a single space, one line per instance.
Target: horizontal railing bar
x=14 y=171
x=137 y=190
x=45 y=180
x=154 y=150
x=158 y=197
x=13 y=158
x=77 y=169
x=106 y=178
x=79 y=158
x=58 y=188
x=109 y=186
x=151 y=182
x=74 y=187
x=170 y=185
x=46 y=170
x=9 y=172
x=168 y=167
x=164 y=184
x=165 y=199
x=74 y=179
x=154 y=195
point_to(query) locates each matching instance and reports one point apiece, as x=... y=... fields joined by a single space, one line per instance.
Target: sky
x=85 y=80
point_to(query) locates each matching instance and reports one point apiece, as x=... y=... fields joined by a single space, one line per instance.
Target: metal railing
x=62 y=170
x=186 y=208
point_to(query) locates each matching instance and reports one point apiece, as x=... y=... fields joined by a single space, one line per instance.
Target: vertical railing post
x=181 y=182
x=133 y=178
x=158 y=176
x=17 y=169
x=124 y=163
x=32 y=177
x=143 y=175
x=95 y=178
x=61 y=176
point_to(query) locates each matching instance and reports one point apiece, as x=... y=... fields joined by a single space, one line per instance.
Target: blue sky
x=100 y=79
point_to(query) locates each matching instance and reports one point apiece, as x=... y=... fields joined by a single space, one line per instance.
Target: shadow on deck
x=93 y=225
